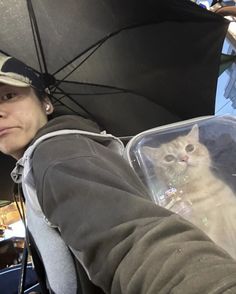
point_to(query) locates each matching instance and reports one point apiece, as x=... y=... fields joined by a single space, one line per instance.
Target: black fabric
x=129 y=65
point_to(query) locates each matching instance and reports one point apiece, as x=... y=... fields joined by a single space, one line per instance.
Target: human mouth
x=4 y=131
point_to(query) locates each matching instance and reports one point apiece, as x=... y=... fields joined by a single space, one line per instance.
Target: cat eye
x=189 y=148
x=169 y=158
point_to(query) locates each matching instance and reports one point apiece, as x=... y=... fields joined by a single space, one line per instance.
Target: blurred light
x=17 y=230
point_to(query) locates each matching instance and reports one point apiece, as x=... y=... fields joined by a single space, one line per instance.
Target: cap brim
x=13 y=82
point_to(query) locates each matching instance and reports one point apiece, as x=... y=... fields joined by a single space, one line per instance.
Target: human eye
x=8 y=96
x=189 y=148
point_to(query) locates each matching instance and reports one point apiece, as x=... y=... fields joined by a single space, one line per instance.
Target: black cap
x=16 y=73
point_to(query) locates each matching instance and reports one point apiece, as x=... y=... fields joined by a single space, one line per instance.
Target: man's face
x=21 y=115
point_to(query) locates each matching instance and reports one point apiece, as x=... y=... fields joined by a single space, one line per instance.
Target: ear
x=194 y=133
x=47 y=104
x=150 y=152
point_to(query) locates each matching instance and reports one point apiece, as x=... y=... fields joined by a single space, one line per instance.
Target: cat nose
x=184 y=158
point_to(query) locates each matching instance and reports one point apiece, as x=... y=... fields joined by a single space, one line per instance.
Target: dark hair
x=46 y=80
x=41 y=95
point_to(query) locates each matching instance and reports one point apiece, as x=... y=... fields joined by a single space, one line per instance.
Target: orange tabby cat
x=184 y=165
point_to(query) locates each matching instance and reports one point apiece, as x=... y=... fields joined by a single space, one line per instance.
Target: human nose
x=2 y=112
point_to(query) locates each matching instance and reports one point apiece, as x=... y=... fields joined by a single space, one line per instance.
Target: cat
x=193 y=190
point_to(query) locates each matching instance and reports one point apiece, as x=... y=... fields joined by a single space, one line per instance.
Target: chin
x=5 y=149
x=13 y=152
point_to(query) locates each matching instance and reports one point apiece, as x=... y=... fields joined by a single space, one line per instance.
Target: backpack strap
x=29 y=247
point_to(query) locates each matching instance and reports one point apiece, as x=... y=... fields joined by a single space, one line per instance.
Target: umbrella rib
x=76 y=102
x=117 y=90
x=120 y=90
x=97 y=85
x=98 y=44
x=63 y=104
x=101 y=41
x=35 y=44
x=89 y=94
x=5 y=53
x=36 y=35
x=93 y=84
x=95 y=49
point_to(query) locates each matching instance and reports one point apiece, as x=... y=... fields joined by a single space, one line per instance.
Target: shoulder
x=70 y=158
x=62 y=152
x=64 y=148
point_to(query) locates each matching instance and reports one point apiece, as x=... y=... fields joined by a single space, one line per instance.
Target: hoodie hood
x=69 y=122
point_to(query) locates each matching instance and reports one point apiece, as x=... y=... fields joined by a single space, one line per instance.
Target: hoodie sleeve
x=125 y=242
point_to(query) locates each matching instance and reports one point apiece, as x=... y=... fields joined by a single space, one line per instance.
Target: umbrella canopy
x=129 y=64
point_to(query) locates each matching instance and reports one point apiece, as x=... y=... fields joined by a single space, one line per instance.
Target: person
x=94 y=226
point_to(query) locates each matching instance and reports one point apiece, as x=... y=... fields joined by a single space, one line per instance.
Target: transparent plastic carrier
x=190 y=168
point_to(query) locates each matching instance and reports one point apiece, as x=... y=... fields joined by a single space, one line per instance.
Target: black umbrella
x=128 y=64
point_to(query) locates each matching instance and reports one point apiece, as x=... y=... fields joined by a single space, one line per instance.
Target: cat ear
x=150 y=152
x=194 y=133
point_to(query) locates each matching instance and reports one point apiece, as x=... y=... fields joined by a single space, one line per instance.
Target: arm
x=126 y=243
